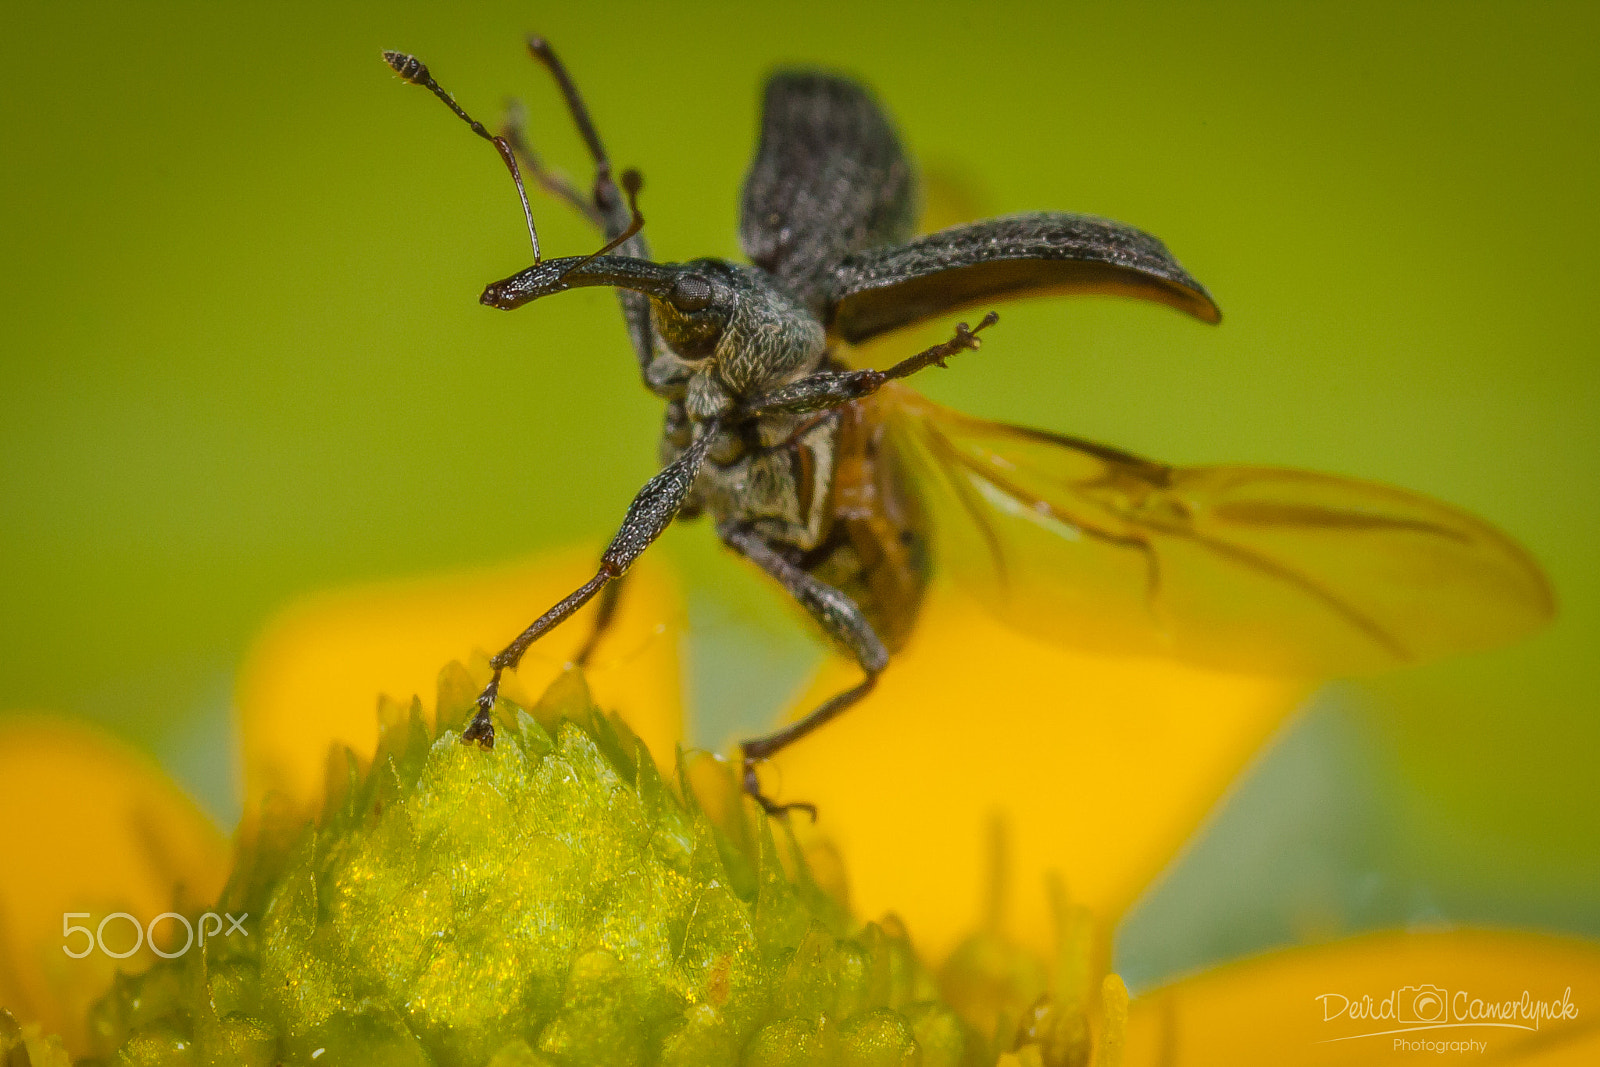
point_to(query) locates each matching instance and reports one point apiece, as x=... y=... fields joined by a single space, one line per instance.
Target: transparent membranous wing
x=1257 y=569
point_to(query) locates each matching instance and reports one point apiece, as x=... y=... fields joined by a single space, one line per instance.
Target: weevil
x=834 y=479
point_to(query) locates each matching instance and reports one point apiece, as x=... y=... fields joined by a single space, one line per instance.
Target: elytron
x=841 y=484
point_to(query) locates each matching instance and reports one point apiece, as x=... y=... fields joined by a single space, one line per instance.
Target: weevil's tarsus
x=754 y=752
x=413 y=70
x=481 y=728
x=964 y=340
x=652 y=510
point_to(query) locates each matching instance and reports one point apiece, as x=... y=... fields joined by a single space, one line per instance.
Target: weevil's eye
x=691 y=292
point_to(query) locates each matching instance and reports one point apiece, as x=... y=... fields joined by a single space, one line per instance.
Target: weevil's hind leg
x=605 y=614
x=843 y=620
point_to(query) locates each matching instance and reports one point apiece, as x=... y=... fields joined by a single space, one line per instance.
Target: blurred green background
x=243 y=357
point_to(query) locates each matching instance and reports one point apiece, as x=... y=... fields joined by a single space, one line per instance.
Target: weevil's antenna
x=413 y=70
x=632 y=182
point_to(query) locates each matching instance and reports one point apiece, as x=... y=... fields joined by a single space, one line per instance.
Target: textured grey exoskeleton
x=813 y=471
x=762 y=416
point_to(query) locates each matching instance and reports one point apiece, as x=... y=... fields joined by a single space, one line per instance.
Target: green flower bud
x=552 y=902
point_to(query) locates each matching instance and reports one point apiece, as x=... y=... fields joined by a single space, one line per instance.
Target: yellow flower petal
x=1267 y=1010
x=314 y=676
x=87 y=826
x=1100 y=768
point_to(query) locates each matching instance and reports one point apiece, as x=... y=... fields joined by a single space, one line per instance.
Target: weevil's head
x=693 y=306
x=703 y=309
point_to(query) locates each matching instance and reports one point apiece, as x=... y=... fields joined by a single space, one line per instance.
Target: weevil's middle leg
x=843 y=620
x=831 y=388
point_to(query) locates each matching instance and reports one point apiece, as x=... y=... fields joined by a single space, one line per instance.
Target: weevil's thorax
x=752 y=336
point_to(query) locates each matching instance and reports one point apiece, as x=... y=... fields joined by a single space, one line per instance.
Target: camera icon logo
x=1421 y=1004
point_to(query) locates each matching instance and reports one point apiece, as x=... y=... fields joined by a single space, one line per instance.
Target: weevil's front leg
x=843 y=620
x=829 y=389
x=607 y=197
x=650 y=513
x=614 y=215
x=514 y=128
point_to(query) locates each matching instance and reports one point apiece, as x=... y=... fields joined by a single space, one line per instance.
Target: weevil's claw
x=964 y=339
x=785 y=809
x=967 y=336
x=752 y=785
x=481 y=728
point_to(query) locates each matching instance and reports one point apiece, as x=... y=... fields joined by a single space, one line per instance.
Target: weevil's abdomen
x=877 y=546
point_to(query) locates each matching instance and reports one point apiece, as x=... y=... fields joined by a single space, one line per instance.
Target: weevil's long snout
x=572 y=272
